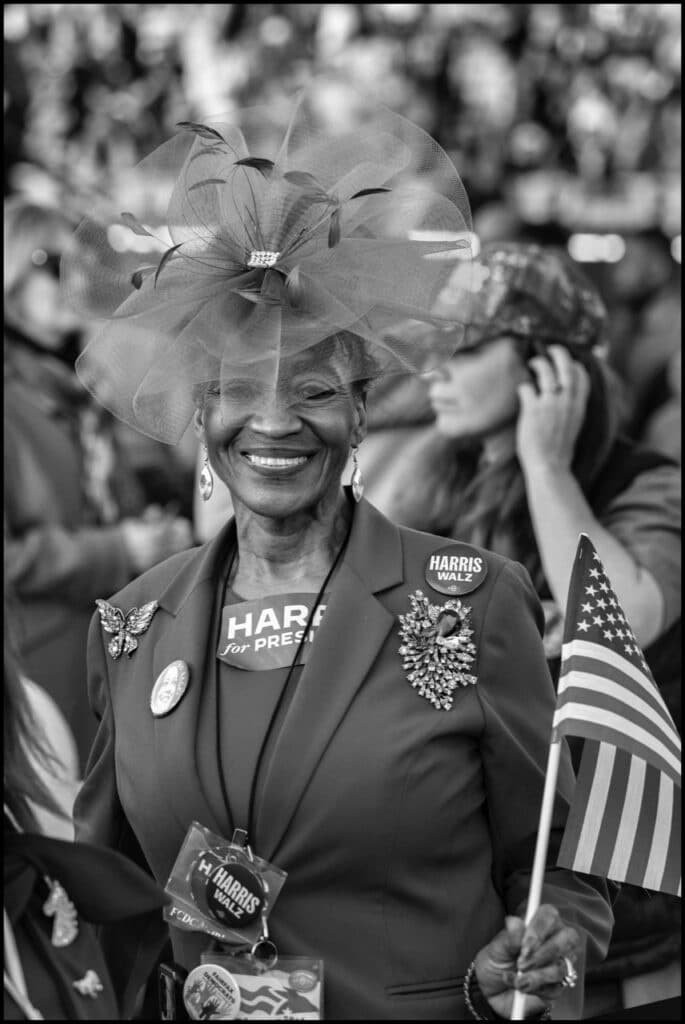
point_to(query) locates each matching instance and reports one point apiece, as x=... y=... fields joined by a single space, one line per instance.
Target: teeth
x=273 y=463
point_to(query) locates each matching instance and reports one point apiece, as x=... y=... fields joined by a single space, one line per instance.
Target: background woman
x=403 y=810
x=73 y=508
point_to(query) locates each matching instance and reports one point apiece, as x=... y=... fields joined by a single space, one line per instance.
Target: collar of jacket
x=371 y=532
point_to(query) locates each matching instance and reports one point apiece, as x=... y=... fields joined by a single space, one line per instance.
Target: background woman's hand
x=154 y=537
x=550 y=417
x=528 y=959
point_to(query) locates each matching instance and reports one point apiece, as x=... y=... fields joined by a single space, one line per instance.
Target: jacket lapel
x=190 y=599
x=348 y=640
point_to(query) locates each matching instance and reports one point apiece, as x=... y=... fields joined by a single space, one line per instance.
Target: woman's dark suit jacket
x=407 y=832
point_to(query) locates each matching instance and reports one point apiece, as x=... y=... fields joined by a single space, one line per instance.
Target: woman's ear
x=199 y=425
x=362 y=419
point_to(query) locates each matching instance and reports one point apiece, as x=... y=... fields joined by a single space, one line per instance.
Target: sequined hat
x=529 y=292
x=276 y=236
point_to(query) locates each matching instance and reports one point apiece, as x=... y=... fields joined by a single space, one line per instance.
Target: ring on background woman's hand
x=570 y=979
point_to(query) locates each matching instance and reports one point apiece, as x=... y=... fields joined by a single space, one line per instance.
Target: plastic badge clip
x=240 y=839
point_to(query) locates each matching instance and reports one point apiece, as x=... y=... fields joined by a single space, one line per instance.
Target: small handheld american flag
x=625 y=820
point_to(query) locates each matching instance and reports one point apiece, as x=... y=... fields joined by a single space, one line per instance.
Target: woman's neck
x=277 y=555
x=499 y=447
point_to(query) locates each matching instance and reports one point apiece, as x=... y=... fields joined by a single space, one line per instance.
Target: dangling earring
x=357 y=478
x=206 y=481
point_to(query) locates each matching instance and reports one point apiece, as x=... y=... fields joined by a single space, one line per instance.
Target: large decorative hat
x=277 y=234
x=530 y=292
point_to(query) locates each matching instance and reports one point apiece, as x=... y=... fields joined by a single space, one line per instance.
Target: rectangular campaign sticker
x=265 y=633
x=292 y=990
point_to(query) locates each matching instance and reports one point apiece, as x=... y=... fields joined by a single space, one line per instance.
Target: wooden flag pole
x=540 y=859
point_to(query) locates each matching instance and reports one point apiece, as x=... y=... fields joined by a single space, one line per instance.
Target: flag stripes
x=585 y=818
x=598 y=723
x=630 y=817
x=586 y=657
x=598 y=839
x=580 y=688
x=605 y=840
x=646 y=826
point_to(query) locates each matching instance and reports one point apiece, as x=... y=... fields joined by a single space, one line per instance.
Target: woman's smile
x=271 y=462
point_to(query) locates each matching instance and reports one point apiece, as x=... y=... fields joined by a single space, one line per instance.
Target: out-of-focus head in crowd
x=35 y=239
x=525 y=299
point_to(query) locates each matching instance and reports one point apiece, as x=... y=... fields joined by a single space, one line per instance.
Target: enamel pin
x=125 y=628
x=89 y=985
x=65 y=923
x=437 y=650
x=169 y=687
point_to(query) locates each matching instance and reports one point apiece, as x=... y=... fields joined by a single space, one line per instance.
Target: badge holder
x=221 y=888
x=235 y=987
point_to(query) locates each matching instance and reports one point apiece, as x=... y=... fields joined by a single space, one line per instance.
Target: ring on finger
x=570 y=978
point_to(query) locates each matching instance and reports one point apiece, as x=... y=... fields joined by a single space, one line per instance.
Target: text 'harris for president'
x=265 y=633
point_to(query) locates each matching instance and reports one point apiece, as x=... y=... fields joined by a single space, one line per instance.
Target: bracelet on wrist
x=478 y=1005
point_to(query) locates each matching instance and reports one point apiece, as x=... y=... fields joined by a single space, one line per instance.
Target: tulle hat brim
x=272 y=237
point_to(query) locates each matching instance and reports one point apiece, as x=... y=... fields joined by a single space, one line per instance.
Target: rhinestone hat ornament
x=262 y=258
x=437 y=650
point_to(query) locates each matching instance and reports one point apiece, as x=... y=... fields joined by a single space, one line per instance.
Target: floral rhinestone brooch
x=437 y=650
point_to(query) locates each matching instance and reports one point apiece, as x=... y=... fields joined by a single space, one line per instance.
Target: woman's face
x=474 y=394
x=281 y=449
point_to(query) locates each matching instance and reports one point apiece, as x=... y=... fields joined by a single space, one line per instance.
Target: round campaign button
x=455 y=569
x=231 y=892
x=169 y=687
x=303 y=980
x=211 y=992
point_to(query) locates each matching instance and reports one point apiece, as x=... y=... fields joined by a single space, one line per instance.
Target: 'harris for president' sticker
x=455 y=569
x=265 y=633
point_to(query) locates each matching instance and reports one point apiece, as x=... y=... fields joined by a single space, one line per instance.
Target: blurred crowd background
x=564 y=120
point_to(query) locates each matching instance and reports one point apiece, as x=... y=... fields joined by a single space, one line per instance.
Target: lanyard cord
x=281 y=700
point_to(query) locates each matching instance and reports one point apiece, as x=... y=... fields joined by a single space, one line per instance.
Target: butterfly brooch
x=437 y=650
x=125 y=628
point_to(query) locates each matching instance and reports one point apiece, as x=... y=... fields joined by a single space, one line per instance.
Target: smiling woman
x=366 y=750
x=281 y=447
